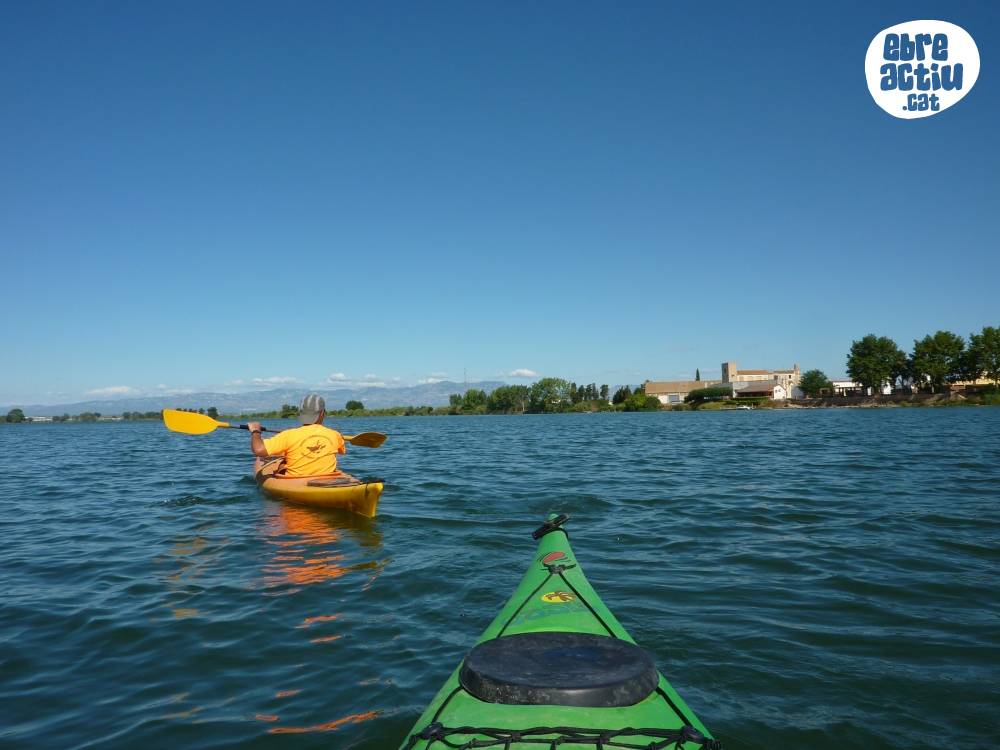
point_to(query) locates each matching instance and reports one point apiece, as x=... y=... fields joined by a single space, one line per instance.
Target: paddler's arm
x=256 y=442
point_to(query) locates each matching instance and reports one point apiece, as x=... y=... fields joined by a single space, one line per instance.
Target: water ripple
x=821 y=579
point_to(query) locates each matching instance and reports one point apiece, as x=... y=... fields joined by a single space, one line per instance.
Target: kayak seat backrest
x=559 y=669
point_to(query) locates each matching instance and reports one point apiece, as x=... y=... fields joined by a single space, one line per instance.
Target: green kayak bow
x=555 y=670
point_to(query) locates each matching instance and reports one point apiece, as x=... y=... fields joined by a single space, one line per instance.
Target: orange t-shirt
x=309 y=451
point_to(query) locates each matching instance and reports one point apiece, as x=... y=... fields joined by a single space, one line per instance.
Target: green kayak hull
x=513 y=691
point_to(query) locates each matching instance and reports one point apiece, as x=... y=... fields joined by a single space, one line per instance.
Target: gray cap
x=310 y=408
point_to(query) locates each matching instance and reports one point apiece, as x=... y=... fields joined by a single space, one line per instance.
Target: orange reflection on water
x=306 y=529
x=286 y=693
x=329 y=726
x=303 y=538
x=326 y=639
x=303 y=575
x=309 y=621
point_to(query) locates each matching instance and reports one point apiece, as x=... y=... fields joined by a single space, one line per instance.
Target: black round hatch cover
x=561 y=669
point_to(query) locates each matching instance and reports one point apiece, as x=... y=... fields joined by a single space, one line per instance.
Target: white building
x=787 y=379
x=674 y=391
x=771 y=389
x=784 y=383
x=852 y=388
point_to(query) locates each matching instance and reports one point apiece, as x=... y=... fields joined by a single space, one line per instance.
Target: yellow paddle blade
x=366 y=439
x=190 y=423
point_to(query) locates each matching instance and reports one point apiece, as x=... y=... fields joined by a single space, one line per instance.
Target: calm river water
x=805 y=579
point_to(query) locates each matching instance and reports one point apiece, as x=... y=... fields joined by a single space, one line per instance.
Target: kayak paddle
x=192 y=423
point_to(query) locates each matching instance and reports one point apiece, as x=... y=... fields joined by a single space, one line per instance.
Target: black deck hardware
x=550 y=525
x=559 y=669
x=546 y=738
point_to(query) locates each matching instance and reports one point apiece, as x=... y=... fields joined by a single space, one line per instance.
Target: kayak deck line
x=554 y=737
x=583 y=599
x=572 y=588
x=556 y=670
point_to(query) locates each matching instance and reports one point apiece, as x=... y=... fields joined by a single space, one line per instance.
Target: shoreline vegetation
x=930 y=376
x=983 y=397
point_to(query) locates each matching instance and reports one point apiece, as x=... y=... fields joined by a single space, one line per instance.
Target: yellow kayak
x=340 y=490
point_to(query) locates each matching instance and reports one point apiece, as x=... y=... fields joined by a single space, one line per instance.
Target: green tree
x=813 y=382
x=712 y=393
x=455 y=400
x=549 y=395
x=937 y=359
x=509 y=399
x=15 y=415
x=697 y=374
x=874 y=361
x=474 y=399
x=604 y=392
x=984 y=355
x=288 y=411
x=639 y=401
x=212 y=412
x=621 y=394
x=353 y=405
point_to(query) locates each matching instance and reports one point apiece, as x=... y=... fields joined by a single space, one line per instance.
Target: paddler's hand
x=256 y=442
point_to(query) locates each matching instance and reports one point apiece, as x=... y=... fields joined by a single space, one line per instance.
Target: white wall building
x=784 y=383
x=788 y=379
x=771 y=389
x=851 y=388
x=674 y=391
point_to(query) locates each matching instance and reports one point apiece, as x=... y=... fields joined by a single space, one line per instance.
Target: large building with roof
x=674 y=391
x=774 y=384
x=787 y=379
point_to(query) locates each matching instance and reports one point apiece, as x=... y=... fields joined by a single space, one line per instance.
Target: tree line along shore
x=546 y=396
x=705 y=399
x=936 y=363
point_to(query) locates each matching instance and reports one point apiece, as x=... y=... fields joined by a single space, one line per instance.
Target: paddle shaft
x=193 y=423
x=246 y=427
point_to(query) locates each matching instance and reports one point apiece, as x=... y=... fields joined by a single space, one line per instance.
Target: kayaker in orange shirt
x=310 y=450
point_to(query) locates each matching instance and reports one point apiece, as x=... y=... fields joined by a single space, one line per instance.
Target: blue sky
x=218 y=195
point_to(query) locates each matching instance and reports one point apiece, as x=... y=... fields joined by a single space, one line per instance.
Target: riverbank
x=917 y=400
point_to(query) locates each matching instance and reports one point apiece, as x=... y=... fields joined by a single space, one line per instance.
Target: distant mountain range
x=429 y=394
